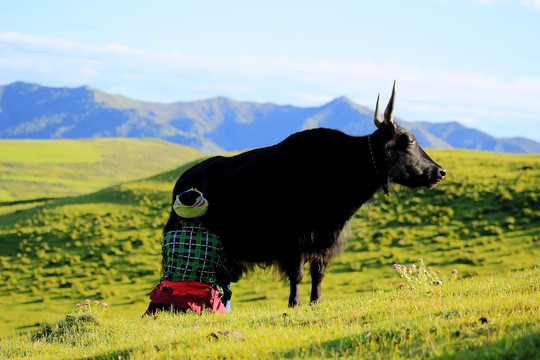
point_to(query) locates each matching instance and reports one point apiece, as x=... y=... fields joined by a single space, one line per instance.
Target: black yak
x=287 y=204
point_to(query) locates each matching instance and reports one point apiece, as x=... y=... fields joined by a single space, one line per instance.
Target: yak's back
x=265 y=200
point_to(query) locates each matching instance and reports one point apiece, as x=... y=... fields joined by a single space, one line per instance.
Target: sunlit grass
x=32 y=169
x=496 y=317
x=106 y=245
x=49 y=151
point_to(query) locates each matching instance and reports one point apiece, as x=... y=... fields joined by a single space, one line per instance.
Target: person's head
x=190 y=204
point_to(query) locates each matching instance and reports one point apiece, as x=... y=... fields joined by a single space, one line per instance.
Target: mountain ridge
x=213 y=125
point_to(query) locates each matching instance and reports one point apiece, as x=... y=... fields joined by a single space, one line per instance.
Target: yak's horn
x=388 y=113
x=377 y=118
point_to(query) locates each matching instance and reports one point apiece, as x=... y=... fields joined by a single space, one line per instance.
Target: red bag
x=185 y=295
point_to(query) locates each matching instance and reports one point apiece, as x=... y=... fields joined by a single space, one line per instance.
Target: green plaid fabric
x=191 y=254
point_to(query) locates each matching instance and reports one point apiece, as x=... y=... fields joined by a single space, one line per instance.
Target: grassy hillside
x=484 y=218
x=31 y=169
x=470 y=318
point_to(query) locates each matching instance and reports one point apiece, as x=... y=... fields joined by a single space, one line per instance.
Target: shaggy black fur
x=287 y=204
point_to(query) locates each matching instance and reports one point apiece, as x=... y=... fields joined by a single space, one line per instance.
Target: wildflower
x=437 y=282
x=87 y=301
x=420 y=260
x=438 y=271
x=413 y=266
x=105 y=305
x=96 y=302
x=429 y=268
x=78 y=305
x=401 y=285
x=454 y=271
x=395 y=266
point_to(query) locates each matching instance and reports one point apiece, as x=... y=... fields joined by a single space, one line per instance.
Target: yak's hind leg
x=318 y=265
x=295 y=272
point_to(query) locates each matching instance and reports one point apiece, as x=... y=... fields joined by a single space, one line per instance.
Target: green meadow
x=483 y=220
x=32 y=169
x=472 y=318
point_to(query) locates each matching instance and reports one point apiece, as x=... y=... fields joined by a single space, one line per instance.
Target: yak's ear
x=389 y=112
x=377 y=117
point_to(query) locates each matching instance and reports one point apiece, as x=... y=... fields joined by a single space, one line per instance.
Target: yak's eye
x=406 y=140
x=411 y=140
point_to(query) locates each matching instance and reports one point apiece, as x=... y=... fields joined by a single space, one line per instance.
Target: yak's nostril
x=442 y=172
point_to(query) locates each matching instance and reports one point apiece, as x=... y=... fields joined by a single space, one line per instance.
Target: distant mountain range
x=30 y=111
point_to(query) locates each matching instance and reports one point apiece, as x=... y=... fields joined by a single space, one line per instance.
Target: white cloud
x=535 y=4
x=31 y=44
x=432 y=94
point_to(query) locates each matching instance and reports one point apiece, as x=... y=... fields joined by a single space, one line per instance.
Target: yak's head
x=396 y=154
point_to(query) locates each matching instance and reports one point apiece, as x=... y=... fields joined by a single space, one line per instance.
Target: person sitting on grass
x=193 y=259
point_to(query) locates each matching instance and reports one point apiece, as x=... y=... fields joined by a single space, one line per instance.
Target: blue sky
x=472 y=61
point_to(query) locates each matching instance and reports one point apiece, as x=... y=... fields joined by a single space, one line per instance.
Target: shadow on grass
x=395 y=344
x=342 y=347
x=115 y=354
x=30 y=201
x=525 y=347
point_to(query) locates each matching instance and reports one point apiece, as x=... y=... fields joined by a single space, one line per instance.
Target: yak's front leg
x=317 y=268
x=295 y=271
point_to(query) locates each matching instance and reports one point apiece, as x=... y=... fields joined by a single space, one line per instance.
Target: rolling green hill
x=484 y=218
x=36 y=169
